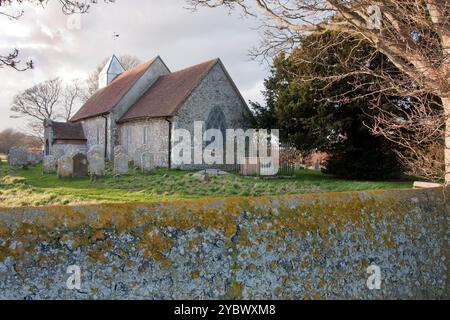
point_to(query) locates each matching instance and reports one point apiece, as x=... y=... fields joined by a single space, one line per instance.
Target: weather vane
x=115 y=36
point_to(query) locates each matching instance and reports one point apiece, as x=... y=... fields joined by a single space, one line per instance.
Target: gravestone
x=80 y=165
x=137 y=156
x=147 y=162
x=18 y=156
x=121 y=164
x=35 y=157
x=50 y=164
x=65 y=167
x=96 y=161
x=32 y=159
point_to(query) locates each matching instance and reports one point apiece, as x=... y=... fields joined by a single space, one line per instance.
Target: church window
x=216 y=120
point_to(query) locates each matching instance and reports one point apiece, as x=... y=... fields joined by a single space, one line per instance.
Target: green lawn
x=22 y=187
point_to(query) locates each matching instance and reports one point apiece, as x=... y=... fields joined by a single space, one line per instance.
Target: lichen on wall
x=287 y=247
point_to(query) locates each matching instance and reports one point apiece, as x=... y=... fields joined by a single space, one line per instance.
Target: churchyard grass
x=30 y=187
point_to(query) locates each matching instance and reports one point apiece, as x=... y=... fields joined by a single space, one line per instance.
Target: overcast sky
x=72 y=46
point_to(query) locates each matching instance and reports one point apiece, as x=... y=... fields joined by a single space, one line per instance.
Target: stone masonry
x=284 y=247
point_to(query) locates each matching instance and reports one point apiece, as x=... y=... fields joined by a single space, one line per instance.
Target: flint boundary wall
x=286 y=247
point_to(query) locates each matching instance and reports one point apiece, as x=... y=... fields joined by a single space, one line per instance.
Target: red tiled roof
x=165 y=96
x=67 y=131
x=106 y=98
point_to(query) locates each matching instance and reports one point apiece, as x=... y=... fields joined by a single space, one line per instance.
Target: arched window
x=216 y=120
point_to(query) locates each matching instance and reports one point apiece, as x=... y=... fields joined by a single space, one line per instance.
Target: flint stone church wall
x=207 y=97
x=132 y=138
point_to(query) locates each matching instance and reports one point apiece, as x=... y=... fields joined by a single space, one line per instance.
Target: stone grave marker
x=96 y=161
x=147 y=162
x=35 y=157
x=50 y=164
x=121 y=163
x=18 y=156
x=137 y=156
x=80 y=165
x=65 y=167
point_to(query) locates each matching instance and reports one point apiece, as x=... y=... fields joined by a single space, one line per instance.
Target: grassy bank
x=21 y=187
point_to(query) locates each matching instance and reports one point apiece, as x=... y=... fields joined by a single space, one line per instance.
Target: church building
x=143 y=105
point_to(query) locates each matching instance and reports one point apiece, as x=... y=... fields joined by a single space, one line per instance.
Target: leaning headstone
x=17 y=156
x=147 y=163
x=96 y=161
x=50 y=164
x=80 y=165
x=65 y=167
x=121 y=164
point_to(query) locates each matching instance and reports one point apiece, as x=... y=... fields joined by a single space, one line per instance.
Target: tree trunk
x=446 y=105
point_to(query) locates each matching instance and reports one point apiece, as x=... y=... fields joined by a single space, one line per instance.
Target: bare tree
x=413 y=34
x=72 y=95
x=67 y=6
x=127 y=61
x=49 y=100
x=38 y=102
x=416 y=126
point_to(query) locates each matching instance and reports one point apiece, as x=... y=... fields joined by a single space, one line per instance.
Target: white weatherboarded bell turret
x=111 y=70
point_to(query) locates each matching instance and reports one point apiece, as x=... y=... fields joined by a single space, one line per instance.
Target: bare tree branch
x=417 y=127
x=49 y=100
